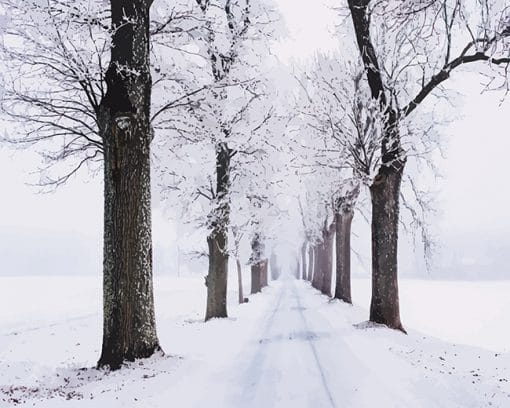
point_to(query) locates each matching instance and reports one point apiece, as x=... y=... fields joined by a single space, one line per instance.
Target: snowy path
x=283 y=358
x=288 y=347
x=307 y=353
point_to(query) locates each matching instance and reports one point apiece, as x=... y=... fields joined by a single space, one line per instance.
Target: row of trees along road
x=361 y=111
x=192 y=87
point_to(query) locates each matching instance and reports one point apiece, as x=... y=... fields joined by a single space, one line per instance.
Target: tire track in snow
x=256 y=382
x=254 y=371
x=310 y=342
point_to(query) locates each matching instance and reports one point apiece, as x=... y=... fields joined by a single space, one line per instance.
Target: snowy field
x=473 y=313
x=288 y=347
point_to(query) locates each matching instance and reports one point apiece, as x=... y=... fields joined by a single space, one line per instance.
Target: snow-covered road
x=288 y=347
x=305 y=351
x=282 y=366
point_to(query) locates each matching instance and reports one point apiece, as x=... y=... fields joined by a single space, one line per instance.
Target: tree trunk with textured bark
x=217 y=241
x=256 y=277
x=327 y=259
x=129 y=326
x=344 y=214
x=343 y=256
x=317 y=270
x=239 y=281
x=385 y=193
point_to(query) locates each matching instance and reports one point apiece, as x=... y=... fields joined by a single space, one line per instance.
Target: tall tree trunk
x=256 y=275
x=310 y=262
x=240 y=281
x=129 y=327
x=343 y=256
x=217 y=240
x=317 y=270
x=303 y=261
x=385 y=192
x=257 y=264
x=327 y=259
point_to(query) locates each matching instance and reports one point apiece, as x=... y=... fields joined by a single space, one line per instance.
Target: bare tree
x=237 y=18
x=430 y=40
x=80 y=84
x=339 y=151
x=124 y=124
x=68 y=46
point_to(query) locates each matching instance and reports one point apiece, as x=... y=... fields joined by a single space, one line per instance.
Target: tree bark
x=343 y=256
x=240 y=281
x=129 y=327
x=256 y=275
x=385 y=193
x=310 y=262
x=258 y=264
x=317 y=269
x=217 y=240
x=327 y=259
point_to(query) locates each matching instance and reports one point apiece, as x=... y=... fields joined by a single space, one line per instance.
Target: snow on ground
x=287 y=347
x=464 y=312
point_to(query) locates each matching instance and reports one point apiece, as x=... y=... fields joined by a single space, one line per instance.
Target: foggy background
x=61 y=232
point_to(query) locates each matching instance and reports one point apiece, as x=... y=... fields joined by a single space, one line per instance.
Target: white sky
x=474 y=200
x=475 y=191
